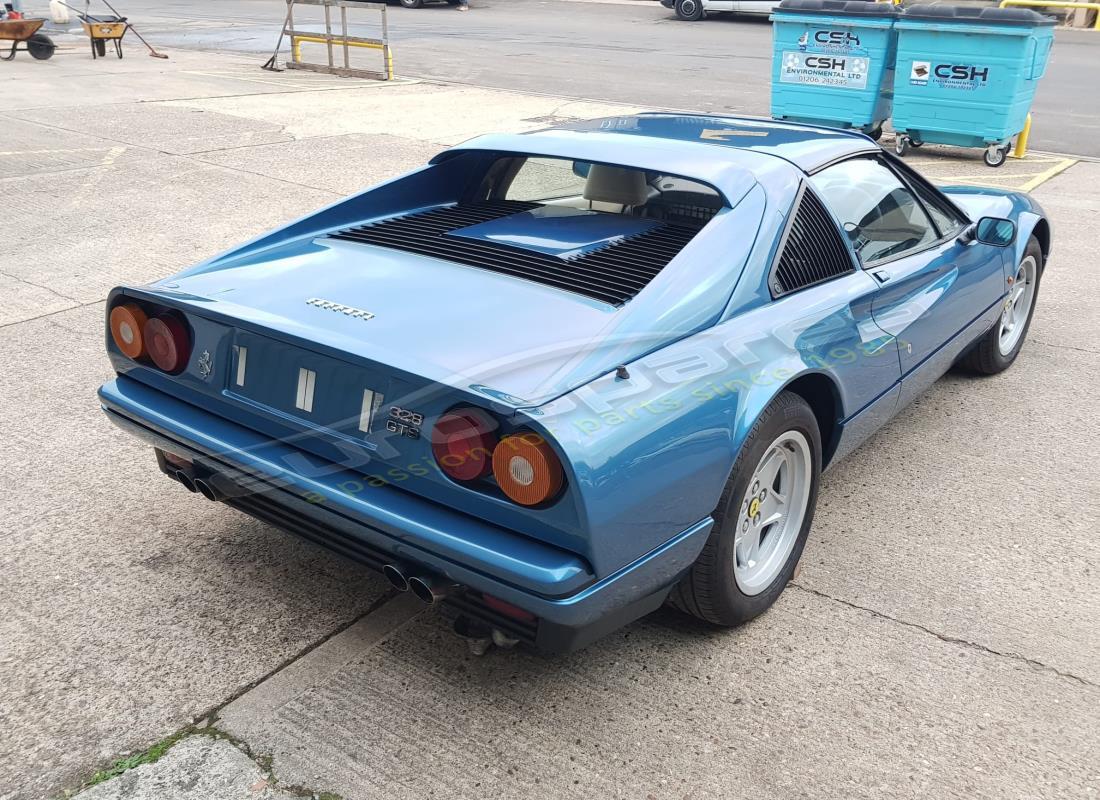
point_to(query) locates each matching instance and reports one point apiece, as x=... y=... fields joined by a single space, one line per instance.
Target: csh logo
x=826 y=62
x=961 y=72
x=836 y=38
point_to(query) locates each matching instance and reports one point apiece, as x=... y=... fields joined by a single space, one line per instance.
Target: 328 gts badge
x=404 y=422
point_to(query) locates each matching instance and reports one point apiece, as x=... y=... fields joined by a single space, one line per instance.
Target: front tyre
x=998 y=348
x=762 y=519
x=689 y=10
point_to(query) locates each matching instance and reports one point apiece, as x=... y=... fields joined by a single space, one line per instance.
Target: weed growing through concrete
x=149 y=756
x=158 y=750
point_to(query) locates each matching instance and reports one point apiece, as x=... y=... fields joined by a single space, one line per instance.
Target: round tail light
x=167 y=342
x=463 y=442
x=527 y=469
x=128 y=329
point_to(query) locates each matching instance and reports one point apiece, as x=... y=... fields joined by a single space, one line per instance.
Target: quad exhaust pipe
x=207 y=490
x=428 y=588
x=185 y=479
x=395 y=574
x=432 y=588
x=214 y=487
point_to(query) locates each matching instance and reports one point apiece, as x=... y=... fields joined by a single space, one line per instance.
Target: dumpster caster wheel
x=902 y=144
x=876 y=133
x=995 y=156
x=915 y=143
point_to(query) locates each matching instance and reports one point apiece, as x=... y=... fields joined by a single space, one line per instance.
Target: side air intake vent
x=613 y=273
x=813 y=250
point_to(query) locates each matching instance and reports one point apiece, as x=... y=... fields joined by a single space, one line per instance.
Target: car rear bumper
x=268 y=479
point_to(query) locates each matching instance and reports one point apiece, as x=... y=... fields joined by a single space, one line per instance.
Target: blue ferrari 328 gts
x=557 y=379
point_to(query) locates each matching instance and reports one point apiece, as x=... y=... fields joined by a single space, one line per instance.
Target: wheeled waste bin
x=833 y=63
x=966 y=76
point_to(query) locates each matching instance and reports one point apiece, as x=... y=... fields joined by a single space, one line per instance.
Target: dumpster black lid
x=977 y=15
x=839 y=8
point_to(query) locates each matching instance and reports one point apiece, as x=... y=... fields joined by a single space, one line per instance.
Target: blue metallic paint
x=556 y=230
x=706 y=346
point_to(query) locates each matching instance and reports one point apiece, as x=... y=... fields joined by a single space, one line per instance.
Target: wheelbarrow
x=25 y=32
x=101 y=30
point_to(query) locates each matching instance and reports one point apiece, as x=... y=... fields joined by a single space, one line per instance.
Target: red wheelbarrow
x=25 y=32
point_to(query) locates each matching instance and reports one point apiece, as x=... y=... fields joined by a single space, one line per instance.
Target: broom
x=152 y=52
x=272 y=64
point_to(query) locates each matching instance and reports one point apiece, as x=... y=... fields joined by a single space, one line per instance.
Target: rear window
x=538 y=180
x=603 y=187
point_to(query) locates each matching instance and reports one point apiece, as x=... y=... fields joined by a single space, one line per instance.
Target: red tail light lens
x=463 y=442
x=167 y=342
x=527 y=469
x=506 y=608
x=128 y=329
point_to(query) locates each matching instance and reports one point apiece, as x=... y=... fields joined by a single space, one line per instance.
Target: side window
x=947 y=221
x=878 y=212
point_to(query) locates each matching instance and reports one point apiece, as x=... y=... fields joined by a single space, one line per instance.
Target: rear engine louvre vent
x=613 y=273
x=813 y=251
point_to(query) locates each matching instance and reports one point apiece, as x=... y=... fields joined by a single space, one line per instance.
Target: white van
x=692 y=10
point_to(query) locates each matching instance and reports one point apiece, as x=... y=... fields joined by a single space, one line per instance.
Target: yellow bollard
x=1021 y=139
x=387 y=51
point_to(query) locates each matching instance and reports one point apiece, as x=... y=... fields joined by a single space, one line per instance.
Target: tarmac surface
x=941 y=640
x=628 y=51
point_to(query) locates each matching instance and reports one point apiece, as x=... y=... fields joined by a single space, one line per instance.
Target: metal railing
x=341 y=40
x=1055 y=4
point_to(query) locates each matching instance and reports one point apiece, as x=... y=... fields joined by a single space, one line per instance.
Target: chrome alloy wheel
x=1017 y=306
x=771 y=513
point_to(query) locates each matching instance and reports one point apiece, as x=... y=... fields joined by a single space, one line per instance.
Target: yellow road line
x=1043 y=177
x=1011 y=176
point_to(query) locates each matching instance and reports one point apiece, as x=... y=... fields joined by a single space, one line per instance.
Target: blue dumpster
x=833 y=63
x=966 y=76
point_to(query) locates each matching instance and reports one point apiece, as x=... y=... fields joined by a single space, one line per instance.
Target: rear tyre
x=998 y=348
x=762 y=519
x=412 y=3
x=690 y=10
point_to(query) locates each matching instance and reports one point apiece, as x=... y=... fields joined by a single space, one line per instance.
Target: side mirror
x=990 y=230
x=581 y=168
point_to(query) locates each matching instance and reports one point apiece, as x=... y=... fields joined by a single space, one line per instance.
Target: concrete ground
x=941 y=640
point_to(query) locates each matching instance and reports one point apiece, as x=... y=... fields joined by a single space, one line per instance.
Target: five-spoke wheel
x=772 y=512
x=1017 y=307
x=998 y=347
x=762 y=519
